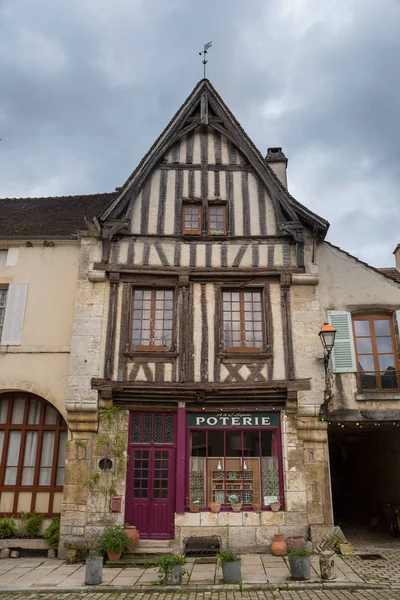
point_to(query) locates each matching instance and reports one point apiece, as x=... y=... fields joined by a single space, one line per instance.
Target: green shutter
x=343 y=354
x=14 y=315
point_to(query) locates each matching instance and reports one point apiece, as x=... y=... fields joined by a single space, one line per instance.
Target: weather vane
x=204 y=61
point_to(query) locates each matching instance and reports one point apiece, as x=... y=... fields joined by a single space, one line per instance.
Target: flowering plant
x=115 y=539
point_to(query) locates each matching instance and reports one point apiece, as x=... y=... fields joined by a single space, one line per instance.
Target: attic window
x=191 y=219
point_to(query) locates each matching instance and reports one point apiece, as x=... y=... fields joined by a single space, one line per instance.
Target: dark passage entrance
x=365 y=474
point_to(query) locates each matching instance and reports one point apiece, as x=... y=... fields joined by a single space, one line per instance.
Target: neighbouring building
x=39 y=260
x=363 y=415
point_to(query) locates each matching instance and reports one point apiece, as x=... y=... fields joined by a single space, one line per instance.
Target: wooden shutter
x=343 y=354
x=14 y=316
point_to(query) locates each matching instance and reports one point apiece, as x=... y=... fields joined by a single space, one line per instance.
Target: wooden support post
x=181 y=458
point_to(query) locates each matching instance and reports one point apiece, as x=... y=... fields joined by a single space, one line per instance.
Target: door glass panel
x=160 y=484
x=384 y=344
x=18 y=411
x=46 y=460
x=158 y=429
x=141 y=474
x=362 y=328
x=366 y=362
x=169 y=429
x=50 y=417
x=382 y=327
x=34 y=412
x=14 y=444
x=3 y=411
x=364 y=345
x=29 y=458
x=147 y=429
x=136 y=429
x=386 y=361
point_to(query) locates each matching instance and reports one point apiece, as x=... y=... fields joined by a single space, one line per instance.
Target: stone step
x=146 y=544
x=146 y=552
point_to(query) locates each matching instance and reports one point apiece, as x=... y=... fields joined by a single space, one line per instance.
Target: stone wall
x=87 y=508
x=243 y=531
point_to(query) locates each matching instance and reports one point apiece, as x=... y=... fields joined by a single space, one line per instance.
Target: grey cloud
x=86 y=86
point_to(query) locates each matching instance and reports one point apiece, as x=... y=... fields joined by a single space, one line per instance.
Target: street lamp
x=327 y=337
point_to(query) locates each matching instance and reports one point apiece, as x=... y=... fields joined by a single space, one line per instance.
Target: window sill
x=378 y=395
x=235 y=357
x=152 y=353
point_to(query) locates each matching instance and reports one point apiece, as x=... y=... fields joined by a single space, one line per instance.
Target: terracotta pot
x=133 y=534
x=114 y=555
x=278 y=546
x=215 y=507
x=256 y=506
x=194 y=508
x=236 y=507
x=275 y=506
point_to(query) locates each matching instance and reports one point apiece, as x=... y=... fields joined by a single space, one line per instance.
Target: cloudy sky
x=87 y=85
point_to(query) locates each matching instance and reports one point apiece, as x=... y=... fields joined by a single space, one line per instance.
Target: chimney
x=397 y=256
x=278 y=163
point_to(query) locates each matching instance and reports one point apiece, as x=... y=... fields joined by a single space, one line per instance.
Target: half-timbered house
x=197 y=315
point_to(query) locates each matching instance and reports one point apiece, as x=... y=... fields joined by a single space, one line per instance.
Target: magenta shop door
x=150 y=495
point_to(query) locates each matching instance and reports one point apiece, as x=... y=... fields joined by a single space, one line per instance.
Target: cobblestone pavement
x=251 y=595
x=384 y=571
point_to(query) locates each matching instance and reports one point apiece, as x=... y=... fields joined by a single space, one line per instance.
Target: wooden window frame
x=24 y=428
x=225 y=215
x=152 y=347
x=243 y=349
x=197 y=205
x=371 y=318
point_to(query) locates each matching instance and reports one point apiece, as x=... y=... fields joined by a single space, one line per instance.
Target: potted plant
x=231 y=566
x=215 y=507
x=94 y=560
x=236 y=504
x=114 y=541
x=256 y=504
x=194 y=506
x=170 y=568
x=275 y=506
x=299 y=562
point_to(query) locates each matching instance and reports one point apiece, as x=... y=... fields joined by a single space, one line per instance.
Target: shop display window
x=240 y=462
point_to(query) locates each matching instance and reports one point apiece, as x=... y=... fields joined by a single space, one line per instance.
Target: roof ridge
x=60 y=197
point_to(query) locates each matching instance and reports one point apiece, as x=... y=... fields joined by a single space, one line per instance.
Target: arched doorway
x=33 y=438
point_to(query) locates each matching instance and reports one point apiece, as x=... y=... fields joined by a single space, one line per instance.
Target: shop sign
x=233 y=419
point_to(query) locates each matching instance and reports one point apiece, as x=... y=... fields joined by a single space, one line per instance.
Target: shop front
x=234 y=458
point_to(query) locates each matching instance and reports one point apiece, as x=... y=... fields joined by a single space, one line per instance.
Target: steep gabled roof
x=54 y=216
x=223 y=121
